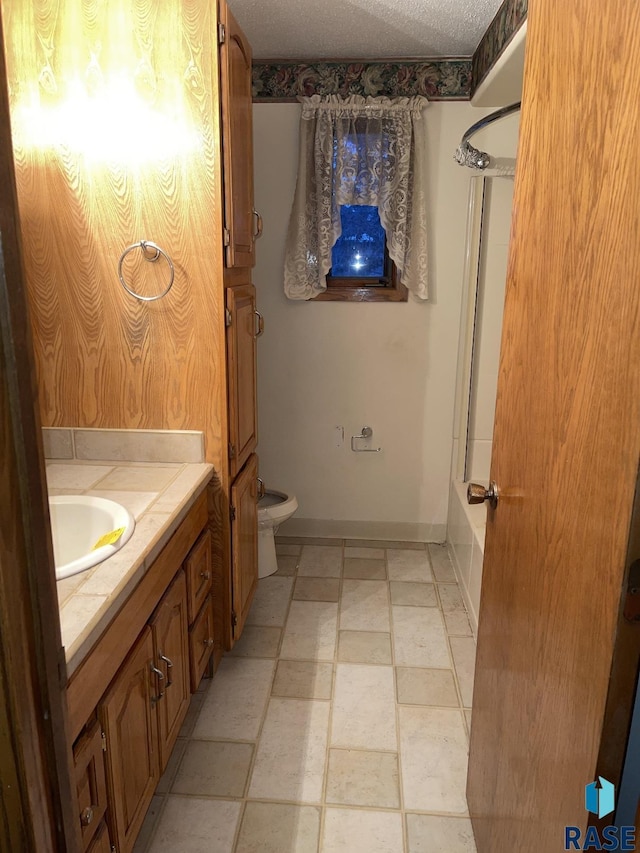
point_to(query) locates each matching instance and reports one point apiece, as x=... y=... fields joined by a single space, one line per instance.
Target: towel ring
x=146 y=245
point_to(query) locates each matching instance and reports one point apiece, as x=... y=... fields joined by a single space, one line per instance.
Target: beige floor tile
x=257 y=642
x=442 y=565
x=384 y=543
x=233 y=709
x=149 y=824
x=284 y=550
x=310 y=633
x=434 y=834
x=365 y=569
x=463 y=650
x=213 y=769
x=271 y=601
x=419 y=637
x=455 y=613
x=365 y=606
x=364 y=707
x=279 y=828
x=287 y=566
x=301 y=679
x=368 y=553
x=320 y=561
x=166 y=780
x=364 y=647
x=417 y=686
x=193 y=825
x=433 y=749
x=358 y=778
x=407 y=565
x=467 y=715
x=317 y=589
x=361 y=831
x=291 y=753
x=413 y=594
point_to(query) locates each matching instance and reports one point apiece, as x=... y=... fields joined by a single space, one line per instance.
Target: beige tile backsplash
x=123 y=445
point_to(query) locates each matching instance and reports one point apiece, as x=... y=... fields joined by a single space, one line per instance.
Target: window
x=361 y=269
x=359 y=157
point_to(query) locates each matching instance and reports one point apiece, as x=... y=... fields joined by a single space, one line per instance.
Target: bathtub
x=465 y=535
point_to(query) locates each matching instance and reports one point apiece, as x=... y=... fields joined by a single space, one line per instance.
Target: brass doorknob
x=477 y=494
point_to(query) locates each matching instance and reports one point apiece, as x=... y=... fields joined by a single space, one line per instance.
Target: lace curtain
x=358 y=151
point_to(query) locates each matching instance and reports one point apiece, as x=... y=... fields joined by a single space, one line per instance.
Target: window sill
x=399 y=293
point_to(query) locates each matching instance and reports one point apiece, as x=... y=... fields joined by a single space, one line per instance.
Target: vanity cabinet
x=101 y=843
x=129 y=696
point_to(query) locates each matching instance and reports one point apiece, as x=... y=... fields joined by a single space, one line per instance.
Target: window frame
x=361 y=289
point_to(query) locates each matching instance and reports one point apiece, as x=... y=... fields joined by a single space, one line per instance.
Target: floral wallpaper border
x=437 y=79
x=508 y=20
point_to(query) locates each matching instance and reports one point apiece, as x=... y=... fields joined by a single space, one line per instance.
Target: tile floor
x=339 y=723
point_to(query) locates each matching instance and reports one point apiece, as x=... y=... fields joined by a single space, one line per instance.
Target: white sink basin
x=86 y=531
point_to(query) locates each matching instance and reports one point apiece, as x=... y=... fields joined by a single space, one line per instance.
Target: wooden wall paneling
x=35 y=750
x=141 y=160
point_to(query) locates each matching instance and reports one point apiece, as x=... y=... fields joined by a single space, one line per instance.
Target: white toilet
x=273 y=509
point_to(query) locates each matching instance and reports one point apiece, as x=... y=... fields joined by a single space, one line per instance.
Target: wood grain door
x=241 y=375
x=244 y=543
x=129 y=720
x=567 y=431
x=170 y=627
x=237 y=142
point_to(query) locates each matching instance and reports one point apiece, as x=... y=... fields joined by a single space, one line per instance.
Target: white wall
x=388 y=366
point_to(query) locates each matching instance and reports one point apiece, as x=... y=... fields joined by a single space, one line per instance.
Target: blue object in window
x=360 y=250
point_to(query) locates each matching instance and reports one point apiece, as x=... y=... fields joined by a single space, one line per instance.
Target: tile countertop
x=158 y=495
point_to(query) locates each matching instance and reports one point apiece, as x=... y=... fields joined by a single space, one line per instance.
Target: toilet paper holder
x=366 y=432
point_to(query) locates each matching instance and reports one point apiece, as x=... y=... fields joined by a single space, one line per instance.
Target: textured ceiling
x=363 y=29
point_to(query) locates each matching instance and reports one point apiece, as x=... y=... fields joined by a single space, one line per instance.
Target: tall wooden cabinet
x=244 y=324
x=177 y=76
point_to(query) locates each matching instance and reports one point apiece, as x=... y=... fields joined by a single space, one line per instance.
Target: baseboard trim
x=402 y=531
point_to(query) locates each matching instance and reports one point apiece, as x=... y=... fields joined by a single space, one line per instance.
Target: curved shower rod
x=466 y=154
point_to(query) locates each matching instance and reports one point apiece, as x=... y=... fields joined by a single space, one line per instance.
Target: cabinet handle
x=86 y=816
x=160 y=676
x=259 y=224
x=169 y=664
x=208 y=642
x=260 y=324
x=205 y=575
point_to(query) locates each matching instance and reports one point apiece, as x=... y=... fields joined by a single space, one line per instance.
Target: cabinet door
x=241 y=375
x=244 y=542
x=102 y=842
x=129 y=720
x=170 y=627
x=91 y=786
x=237 y=142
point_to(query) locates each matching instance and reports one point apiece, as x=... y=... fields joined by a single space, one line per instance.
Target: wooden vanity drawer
x=201 y=643
x=198 y=570
x=91 y=784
